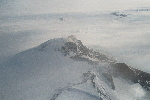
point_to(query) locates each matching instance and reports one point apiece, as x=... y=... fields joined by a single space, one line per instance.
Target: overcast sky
x=61 y=6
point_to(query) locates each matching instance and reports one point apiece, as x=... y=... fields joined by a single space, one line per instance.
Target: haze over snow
x=62 y=6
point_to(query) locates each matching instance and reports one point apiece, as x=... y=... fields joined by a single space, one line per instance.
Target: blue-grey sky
x=61 y=6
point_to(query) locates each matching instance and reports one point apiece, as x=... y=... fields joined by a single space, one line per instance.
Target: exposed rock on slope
x=118 y=14
x=118 y=69
x=61 y=68
x=83 y=52
x=132 y=74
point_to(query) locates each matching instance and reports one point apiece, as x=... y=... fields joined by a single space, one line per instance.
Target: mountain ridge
x=62 y=64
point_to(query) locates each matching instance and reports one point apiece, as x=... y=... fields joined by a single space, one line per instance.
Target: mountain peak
x=71 y=45
x=65 y=66
x=53 y=43
x=72 y=38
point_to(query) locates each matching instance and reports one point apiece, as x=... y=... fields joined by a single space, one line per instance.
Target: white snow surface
x=44 y=73
x=35 y=74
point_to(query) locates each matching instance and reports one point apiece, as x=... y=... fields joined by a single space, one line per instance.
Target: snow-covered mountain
x=65 y=69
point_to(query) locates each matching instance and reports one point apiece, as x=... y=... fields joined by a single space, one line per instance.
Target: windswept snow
x=36 y=73
x=48 y=72
x=75 y=94
x=66 y=69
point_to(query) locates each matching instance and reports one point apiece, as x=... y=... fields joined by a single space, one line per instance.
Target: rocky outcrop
x=83 y=53
x=118 y=14
x=131 y=74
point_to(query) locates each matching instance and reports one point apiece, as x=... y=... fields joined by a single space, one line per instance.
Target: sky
x=62 y=6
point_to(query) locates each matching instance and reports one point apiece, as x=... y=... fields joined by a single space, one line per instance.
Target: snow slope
x=35 y=74
x=65 y=69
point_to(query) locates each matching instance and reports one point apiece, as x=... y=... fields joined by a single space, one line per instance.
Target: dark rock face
x=110 y=79
x=134 y=75
x=83 y=53
x=71 y=46
x=118 y=14
x=143 y=10
x=61 y=19
x=143 y=79
x=122 y=70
